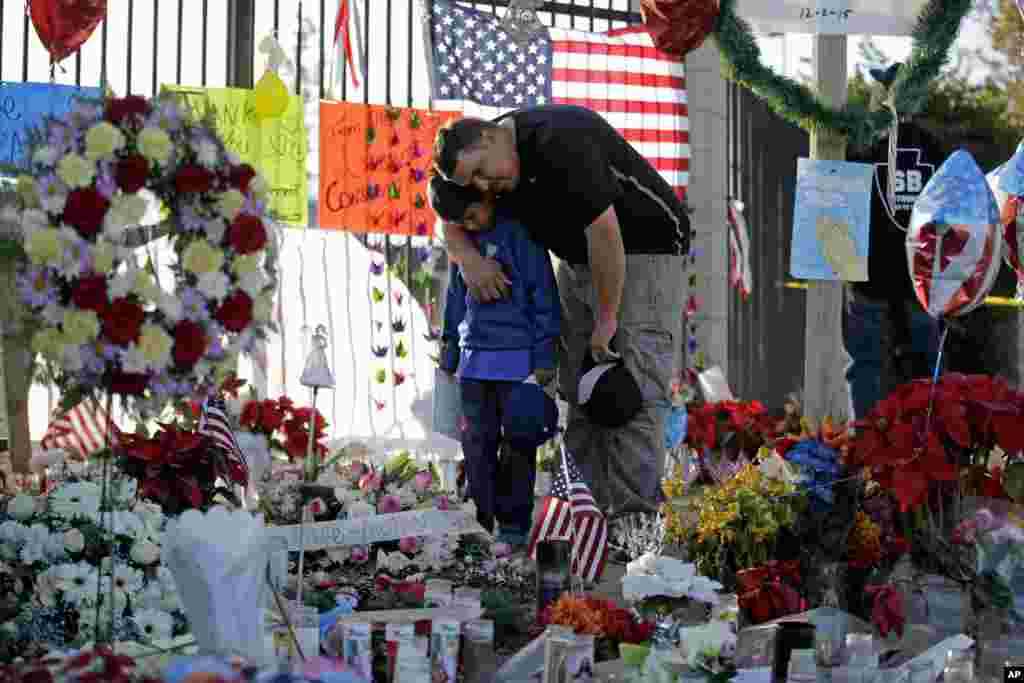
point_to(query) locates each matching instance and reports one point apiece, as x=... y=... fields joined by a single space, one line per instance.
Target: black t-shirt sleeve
x=582 y=185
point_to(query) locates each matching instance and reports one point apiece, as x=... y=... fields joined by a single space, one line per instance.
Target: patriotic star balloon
x=1007 y=184
x=953 y=243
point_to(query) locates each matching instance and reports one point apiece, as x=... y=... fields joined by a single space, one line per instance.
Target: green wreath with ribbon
x=933 y=36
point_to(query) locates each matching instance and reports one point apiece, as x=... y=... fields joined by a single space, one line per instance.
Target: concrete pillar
x=706 y=98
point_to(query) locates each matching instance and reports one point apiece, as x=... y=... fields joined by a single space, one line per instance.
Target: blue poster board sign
x=22 y=108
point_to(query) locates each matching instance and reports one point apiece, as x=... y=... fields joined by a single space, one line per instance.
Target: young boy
x=504 y=354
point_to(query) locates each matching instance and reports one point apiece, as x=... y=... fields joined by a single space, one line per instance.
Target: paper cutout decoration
x=63 y=26
x=1011 y=219
x=831 y=220
x=373 y=167
x=277 y=148
x=22 y=108
x=954 y=244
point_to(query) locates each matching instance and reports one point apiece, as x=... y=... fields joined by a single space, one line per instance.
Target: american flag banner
x=214 y=423
x=80 y=431
x=571 y=514
x=479 y=70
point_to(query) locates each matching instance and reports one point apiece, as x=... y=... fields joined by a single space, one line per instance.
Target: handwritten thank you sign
x=276 y=147
x=374 y=163
x=379 y=528
x=23 y=107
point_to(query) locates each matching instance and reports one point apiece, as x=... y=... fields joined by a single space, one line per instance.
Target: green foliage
x=933 y=36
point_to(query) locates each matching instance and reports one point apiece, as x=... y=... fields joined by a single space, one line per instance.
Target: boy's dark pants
x=501 y=487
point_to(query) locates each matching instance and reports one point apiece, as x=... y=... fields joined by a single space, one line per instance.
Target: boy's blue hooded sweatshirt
x=529 y=318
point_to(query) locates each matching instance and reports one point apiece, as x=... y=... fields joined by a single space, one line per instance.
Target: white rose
x=74 y=541
x=22 y=507
x=145 y=553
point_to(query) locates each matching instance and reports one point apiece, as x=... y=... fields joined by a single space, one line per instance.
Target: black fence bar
x=203 y=57
x=128 y=56
x=1 y=40
x=366 y=53
x=298 y=52
x=24 y=51
x=156 y=46
x=387 y=52
x=103 y=51
x=323 y=38
x=181 y=32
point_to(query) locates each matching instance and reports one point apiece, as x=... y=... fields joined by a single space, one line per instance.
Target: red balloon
x=64 y=25
x=679 y=26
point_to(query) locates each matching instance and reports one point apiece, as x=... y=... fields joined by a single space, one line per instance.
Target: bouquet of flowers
x=51 y=549
x=734 y=427
x=998 y=545
x=588 y=615
x=284 y=428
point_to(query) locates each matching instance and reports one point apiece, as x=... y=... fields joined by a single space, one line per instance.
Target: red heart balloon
x=679 y=26
x=64 y=25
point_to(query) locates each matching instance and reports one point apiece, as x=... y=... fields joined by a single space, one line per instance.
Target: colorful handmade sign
x=374 y=163
x=1007 y=184
x=22 y=109
x=831 y=220
x=276 y=147
x=953 y=242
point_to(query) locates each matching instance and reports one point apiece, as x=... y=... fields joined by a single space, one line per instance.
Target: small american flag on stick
x=80 y=431
x=214 y=424
x=571 y=514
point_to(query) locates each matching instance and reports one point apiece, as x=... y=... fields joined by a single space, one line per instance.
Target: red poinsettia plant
x=179 y=468
x=740 y=427
x=914 y=457
x=770 y=591
x=285 y=425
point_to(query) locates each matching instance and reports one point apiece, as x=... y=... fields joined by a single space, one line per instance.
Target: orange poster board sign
x=374 y=164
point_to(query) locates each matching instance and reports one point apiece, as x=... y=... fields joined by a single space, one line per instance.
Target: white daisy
x=78 y=583
x=78 y=499
x=153 y=624
x=36 y=541
x=127 y=581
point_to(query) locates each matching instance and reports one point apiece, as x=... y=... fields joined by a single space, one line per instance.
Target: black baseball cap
x=450 y=201
x=608 y=393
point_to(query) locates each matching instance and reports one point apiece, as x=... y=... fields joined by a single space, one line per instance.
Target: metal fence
x=766 y=332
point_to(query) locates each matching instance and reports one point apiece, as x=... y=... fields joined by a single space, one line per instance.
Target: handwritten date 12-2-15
x=810 y=13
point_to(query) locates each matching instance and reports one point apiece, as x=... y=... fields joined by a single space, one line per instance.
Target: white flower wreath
x=107 y=323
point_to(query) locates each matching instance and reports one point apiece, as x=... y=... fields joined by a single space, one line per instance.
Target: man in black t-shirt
x=888 y=295
x=620 y=234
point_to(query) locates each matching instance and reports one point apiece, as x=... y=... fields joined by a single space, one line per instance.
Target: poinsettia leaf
x=901 y=436
x=910 y=486
x=1009 y=432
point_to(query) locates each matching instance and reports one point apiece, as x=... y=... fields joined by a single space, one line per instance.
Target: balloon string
x=935 y=379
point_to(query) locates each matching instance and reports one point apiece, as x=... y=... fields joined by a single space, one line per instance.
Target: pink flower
x=370 y=482
x=984 y=520
x=389 y=504
x=360 y=554
x=409 y=545
x=356 y=470
x=442 y=503
x=422 y=481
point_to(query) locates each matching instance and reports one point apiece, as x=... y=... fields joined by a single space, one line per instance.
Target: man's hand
x=600 y=340
x=485 y=278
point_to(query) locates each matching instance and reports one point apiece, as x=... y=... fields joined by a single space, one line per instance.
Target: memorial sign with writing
x=276 y=147
x=875 y=17
x=23 y=107
x=378 y=528
x=374 y=164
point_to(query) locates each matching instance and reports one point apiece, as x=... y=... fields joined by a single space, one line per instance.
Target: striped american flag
x=214 y=424
x=480 y=71
x=80 y=431
x=571 y=514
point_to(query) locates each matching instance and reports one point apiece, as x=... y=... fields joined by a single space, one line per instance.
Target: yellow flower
x=263 y=308
x=155 y=345
x=202 y=257
x=247 y=263
x=145 y=286
x=28 y=191
x=155 y=144
x=102 y=141
x=80 y=326
x=230 y=203
x=44 y=246
x=103 y=257
x=76 y=171
x=49 y=342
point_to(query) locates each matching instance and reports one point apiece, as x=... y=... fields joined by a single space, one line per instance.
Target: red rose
x=191 y=179
x=86 y=209
x=235 y=313
x=247 y=234
x=122 y=321
x=121 y=108
x=127 y=383
x=240 y=177
x=189 y=343
x=90 y=293
x=131 y=173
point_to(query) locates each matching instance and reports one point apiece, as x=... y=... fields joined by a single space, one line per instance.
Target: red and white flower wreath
x=107 y=323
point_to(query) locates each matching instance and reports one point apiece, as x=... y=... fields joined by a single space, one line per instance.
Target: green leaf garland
x=933 y=36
